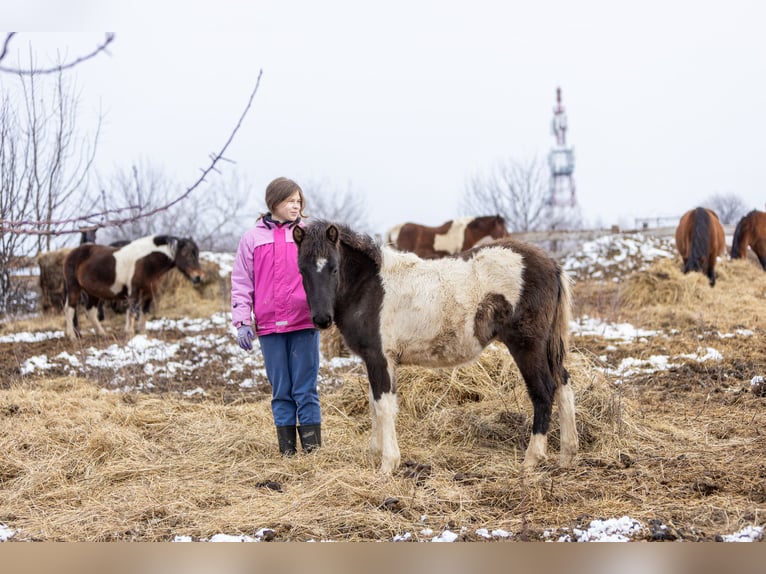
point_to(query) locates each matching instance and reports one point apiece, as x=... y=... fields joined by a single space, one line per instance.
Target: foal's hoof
x=567 y=461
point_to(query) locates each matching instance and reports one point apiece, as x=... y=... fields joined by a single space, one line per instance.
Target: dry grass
x=683 y=446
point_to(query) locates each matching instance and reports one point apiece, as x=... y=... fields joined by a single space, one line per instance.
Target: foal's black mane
x=359 y=242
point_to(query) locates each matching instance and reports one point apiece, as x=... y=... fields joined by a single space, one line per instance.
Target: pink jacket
x=266 y=283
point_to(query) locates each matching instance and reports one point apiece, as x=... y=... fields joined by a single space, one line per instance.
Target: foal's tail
x=700 y=241
x=558 y=341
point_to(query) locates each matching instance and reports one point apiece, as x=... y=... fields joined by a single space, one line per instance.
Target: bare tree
x=45 y=168
x=517 y=191
x=728 y=206
x=209 y=218
x=328 y=202
x=44 y=164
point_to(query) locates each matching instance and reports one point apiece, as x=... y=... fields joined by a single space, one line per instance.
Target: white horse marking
x=321 y=262
x=392 y=235
x=126 y=257
x=383 y=440
x=565 y=400
x=452 y=241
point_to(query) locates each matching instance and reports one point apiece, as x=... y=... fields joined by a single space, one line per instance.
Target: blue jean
x=292 y=366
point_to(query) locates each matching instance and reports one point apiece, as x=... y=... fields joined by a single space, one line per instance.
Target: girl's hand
x=245 y=337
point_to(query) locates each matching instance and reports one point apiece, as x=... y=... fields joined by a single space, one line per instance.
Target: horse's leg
x=711 y=275
x=760 y=253
x=383 y=409
x=565 y=401
x=376 y=438
x=70 y=310
x=531 y=359
x=70 y=314
x=91 y=309
x=145 y=308
x=130 y=316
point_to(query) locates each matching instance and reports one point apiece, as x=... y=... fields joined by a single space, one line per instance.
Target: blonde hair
x=279 y=190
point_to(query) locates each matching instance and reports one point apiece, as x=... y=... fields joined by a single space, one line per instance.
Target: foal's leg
x=565 y=400
x=533 y=364
x=383 y=409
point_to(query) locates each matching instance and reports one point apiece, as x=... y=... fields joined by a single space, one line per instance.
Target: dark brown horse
x=131 y=273
x=750 y=231
x=449 y=238
x=395 y=308
x=700 y=240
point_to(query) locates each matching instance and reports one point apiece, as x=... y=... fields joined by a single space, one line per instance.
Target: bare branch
x=61 y=67
x=5 y=45
x=38 y=227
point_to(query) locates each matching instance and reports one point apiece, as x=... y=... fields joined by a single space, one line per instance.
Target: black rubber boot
x=286 y=438
x=311 y=437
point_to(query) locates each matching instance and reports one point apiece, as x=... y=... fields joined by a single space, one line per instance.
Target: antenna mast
x=561 y=162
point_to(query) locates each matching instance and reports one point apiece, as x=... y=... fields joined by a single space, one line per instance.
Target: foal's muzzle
x=322 y=321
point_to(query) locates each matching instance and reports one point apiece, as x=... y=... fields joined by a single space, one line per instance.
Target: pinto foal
x=395 y=308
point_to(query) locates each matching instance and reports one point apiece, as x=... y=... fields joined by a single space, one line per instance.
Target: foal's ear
x=298 y=234
x=332 y=234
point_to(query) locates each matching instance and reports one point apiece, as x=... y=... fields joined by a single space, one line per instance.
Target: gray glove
x=245 y=337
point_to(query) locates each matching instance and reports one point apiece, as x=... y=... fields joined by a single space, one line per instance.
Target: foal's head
x=318 y=262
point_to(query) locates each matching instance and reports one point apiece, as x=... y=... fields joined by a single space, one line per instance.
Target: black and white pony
x=395 y=308
x=131 y=273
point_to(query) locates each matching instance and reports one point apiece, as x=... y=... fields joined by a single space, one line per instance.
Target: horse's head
x=318 y=261
x=187 y=259
x=497 y=228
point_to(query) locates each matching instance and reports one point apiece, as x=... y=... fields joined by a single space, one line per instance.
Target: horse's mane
x=354 y=240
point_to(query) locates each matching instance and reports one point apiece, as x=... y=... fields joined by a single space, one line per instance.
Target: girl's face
x=289 y=209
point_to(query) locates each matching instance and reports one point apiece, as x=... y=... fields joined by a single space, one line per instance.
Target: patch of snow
x=610 y=530
x=6 y=533
x=446 y=536
x=747 y=534
x=27 y=337
x=612 y=331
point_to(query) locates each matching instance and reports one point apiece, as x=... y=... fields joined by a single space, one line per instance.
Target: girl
x=268 y=300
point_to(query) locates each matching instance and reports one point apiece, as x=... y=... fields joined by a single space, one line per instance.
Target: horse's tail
x=700 y=241
x=558 y=341
x=736 y=242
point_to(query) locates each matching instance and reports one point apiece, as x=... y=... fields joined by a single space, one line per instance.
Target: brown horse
x=130 y=273
x=449 y=238
x=700 y=240
x=751 y=230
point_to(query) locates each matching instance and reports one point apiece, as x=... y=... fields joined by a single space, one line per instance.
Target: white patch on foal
x=430 y=303
x=321 y=262
x=126 y=257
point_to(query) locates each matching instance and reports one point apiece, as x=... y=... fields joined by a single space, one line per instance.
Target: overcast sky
x=405 y=101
